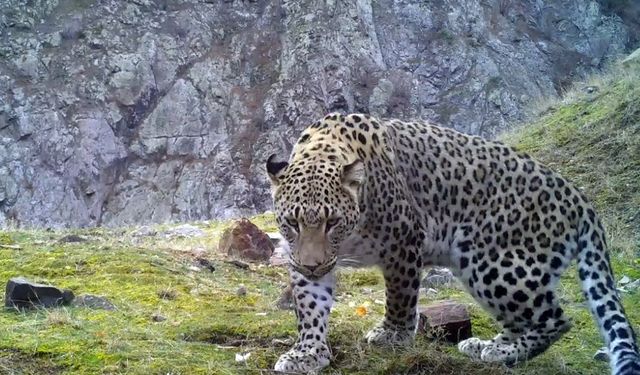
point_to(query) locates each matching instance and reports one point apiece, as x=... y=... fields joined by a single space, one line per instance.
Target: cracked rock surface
x=145 y=111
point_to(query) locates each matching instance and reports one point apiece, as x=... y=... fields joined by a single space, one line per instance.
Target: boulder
x=22 y=293
x=447 y=320
x=246 y=241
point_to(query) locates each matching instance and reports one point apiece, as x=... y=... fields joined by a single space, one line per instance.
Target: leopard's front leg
x=313 y=299
x=402 y=280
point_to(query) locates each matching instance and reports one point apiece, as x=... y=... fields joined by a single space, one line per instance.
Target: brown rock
x=246 y=241
x=446 y=319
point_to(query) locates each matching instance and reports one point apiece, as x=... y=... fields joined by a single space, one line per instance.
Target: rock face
x=246 y=241
x=143 y=111
x=22 y=293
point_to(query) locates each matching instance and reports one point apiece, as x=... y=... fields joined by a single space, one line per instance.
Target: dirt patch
x=227 y=338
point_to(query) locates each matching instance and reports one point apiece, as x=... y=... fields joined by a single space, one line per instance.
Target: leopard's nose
x=312 y=269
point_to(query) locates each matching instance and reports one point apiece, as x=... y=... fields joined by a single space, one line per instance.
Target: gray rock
x=186 y=230
x=144 y=231
x=630 y=287
x=72 y=238
x=165 y=111
x=632 y=59
x=602 y=355
x=624 y=280
x=438 y=277
x=276 y=238
x=22 y=293
x=241 y=291
x=206 y=263
x=158 y=318
x=93 y=302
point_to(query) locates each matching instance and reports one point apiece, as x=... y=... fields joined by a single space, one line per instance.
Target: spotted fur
x=405 y=195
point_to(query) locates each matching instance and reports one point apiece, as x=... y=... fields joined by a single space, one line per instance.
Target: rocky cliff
x=119 y=112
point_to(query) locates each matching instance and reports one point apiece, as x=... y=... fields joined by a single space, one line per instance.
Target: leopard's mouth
x=316 y=272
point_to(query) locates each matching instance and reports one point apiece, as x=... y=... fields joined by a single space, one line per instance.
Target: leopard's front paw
x=386 y=336
x=304 y=358
x=473 y=347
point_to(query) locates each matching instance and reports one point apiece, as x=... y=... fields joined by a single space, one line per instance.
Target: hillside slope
x=593 y=138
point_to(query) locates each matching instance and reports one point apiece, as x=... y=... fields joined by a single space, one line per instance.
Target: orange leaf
x=361 y=311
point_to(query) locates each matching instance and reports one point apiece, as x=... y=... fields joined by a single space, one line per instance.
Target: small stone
x=447 y=319
x=591 y=89
x=602 y=355
x=184 y=231
x=22 y=293
x=430 y=292
x=437 y=277
x=275 y=238
x=239 y=264
x=96 y=44
x=168 y=294
x=624 y=280
x=630 y=287
x=158 y=318
x=144 y=231
x=282 y=342
x=205 y=263
x=72 y=238
x=242 y=357
x=93 y=302
x=194 y=269
x=242 y=291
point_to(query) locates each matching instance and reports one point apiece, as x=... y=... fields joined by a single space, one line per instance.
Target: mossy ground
x=594 y=139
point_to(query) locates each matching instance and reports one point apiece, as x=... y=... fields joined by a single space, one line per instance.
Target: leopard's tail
x=598 y=285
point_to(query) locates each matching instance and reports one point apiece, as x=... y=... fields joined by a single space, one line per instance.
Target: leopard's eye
x=293 y=224
x=331 y=223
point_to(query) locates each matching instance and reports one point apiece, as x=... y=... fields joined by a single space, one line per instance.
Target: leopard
x=362 y=191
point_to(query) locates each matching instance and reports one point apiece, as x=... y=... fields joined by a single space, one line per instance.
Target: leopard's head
x=316 y=203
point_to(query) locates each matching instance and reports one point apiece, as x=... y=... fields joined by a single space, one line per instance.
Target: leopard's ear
x=275 y=169
x=353 y=175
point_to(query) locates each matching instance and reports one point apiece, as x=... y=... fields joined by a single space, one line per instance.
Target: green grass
x=593 y=139
x=207 y=323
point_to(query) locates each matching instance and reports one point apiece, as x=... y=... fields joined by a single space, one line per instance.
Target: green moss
x=6 y=239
